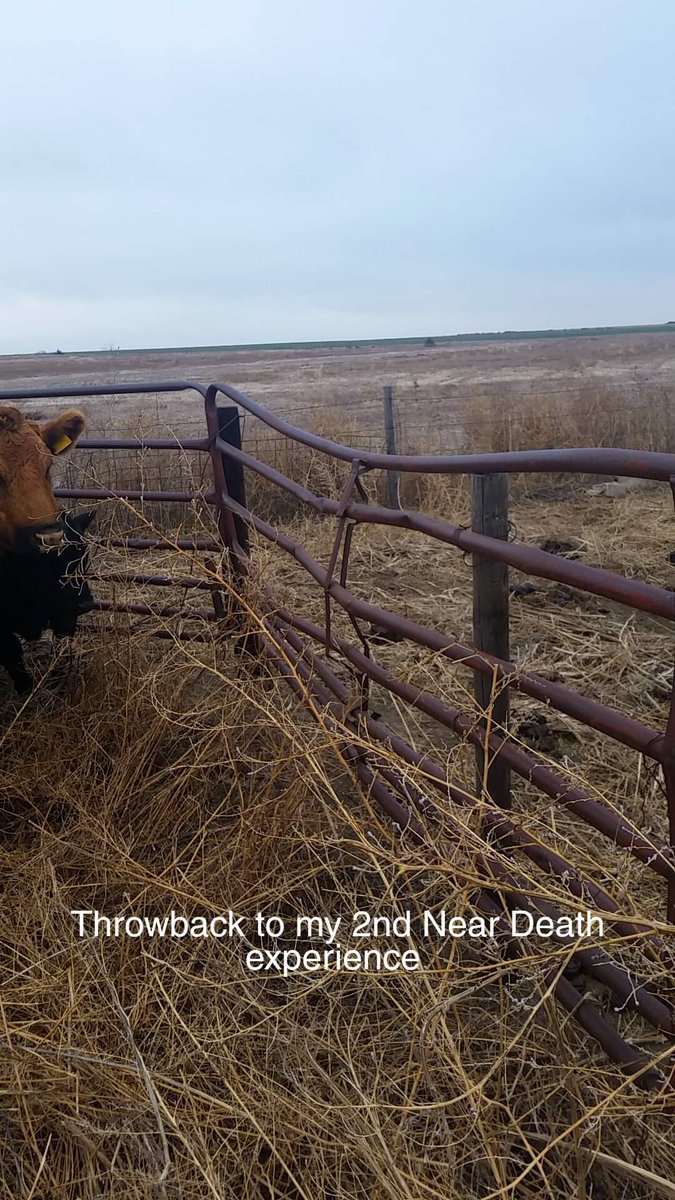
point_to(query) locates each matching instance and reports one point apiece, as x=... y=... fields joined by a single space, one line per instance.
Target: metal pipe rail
x=658 y=1014
x=637 y=464
x=645 y=597
x=310 y=673
x=659 y=859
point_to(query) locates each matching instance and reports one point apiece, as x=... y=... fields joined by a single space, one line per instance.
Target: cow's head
x=28 y=513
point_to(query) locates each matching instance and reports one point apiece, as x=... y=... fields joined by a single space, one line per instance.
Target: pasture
x=435 y=386
x=180 y=775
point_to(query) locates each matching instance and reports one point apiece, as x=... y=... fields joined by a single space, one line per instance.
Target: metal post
x=489 y=515
x=230 y=431
x=248 y=642
x=390 y=435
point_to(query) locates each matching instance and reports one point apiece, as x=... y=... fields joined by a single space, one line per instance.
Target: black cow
x=43 y=590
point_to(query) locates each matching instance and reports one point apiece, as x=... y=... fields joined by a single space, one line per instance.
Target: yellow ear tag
x=63 y=443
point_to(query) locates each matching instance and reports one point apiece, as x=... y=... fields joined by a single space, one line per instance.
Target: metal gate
x=287 y=638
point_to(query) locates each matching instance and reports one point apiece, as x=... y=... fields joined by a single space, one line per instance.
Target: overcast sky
x=223 y=171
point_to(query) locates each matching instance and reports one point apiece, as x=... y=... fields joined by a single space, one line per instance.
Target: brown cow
x=28 y=513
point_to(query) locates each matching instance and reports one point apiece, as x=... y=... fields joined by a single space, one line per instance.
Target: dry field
x=167 y=774
x=436 y=387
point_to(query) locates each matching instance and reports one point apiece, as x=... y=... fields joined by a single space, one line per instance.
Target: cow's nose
x=50 y=540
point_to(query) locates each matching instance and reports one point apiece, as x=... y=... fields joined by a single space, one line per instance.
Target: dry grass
x=589 y=415
x=171 y=774
x=168 y=777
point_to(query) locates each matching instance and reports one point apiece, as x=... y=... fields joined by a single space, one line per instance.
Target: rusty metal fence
x=307 y=654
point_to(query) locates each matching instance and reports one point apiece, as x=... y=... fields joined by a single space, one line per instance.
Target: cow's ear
x=62 y=432
x=81 y=521
x=11 y=419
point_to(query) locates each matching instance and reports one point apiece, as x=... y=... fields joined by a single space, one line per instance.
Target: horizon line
x=356 y=343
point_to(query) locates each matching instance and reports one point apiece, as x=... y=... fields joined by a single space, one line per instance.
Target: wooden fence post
x=490 y=515
x=230 y=431
x=390 y=435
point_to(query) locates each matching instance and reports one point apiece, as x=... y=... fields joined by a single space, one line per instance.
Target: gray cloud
x=177 y=174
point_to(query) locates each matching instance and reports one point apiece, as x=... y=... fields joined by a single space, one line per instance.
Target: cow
x=40 y=591
x=29 y=517
x=36 y=585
